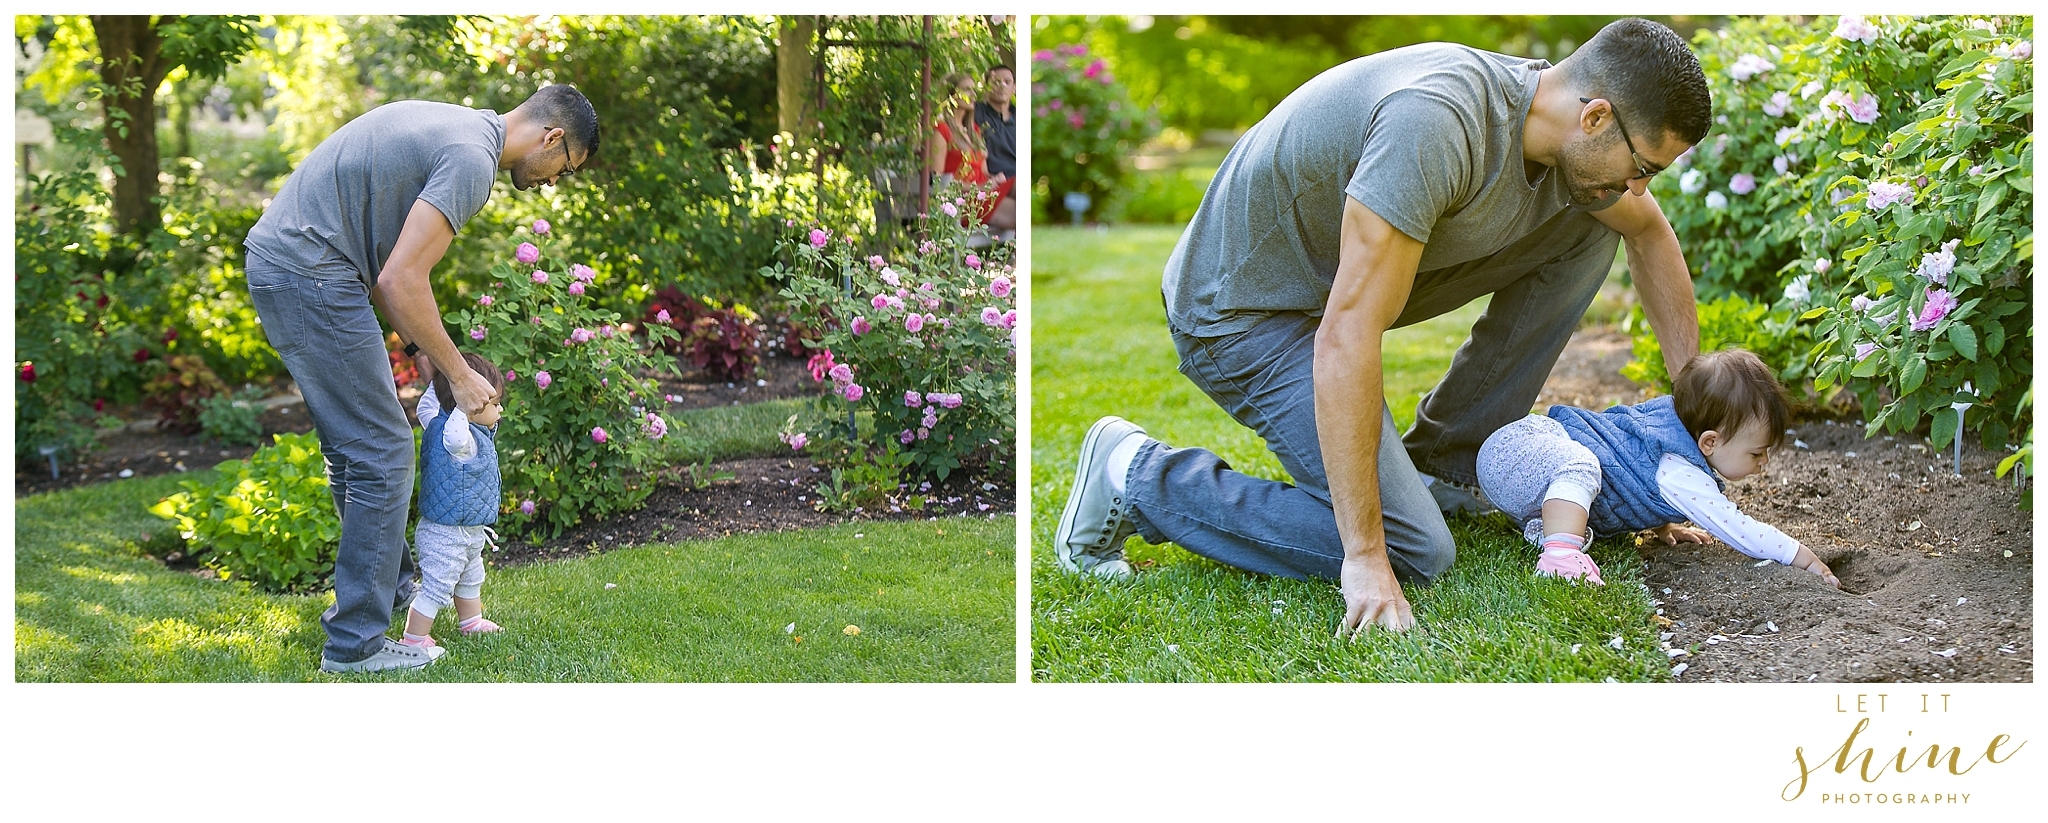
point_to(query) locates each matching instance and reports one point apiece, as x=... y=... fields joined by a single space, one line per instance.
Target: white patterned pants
x=451 y=564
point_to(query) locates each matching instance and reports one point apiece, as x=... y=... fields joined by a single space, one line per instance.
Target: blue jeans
x=324 y=327
x=1263 y=377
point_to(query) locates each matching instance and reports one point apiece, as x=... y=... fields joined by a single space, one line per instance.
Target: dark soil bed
x=763 y=495
x=1937 y=570
x=151 y=452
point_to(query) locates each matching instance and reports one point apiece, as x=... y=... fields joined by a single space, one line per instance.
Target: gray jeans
x=1263 y=377
x=327 y=333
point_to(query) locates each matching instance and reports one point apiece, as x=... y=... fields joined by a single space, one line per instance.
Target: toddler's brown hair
x=444 y=392
x=1726 y=390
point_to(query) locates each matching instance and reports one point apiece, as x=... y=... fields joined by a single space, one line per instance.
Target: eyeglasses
x=569 y=172
x=1643 y=171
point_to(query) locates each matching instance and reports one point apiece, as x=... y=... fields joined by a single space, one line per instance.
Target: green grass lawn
x=933 y=600
x=1100 y=346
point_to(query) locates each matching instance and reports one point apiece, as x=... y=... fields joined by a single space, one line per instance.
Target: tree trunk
x=132 y=66
x=793 y=69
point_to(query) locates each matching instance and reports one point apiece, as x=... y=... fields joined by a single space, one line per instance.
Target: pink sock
x=1573 y=542
x=417 y=639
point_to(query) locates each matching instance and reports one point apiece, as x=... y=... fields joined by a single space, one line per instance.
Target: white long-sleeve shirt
x=1691 y=491
x=461 y=444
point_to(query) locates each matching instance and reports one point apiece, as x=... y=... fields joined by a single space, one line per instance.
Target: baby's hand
x=1675 y=533
x=1809 y=561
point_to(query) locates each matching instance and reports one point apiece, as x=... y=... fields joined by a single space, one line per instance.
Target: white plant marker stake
x=1960 y=409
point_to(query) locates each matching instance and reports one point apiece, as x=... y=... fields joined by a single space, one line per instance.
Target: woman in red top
x=957 y=152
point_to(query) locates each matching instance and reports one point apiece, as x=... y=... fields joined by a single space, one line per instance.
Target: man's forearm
x=1349 y=401
x=408 y=305
x=1658 y=268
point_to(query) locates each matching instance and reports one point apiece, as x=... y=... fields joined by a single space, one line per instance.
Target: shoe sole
x=357 y=667
x=1062 y=547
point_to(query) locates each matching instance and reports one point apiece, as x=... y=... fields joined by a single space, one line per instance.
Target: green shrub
x=1892 y=160
x=1163 y=196
x=577 y=436
x=1775 y=337
x=233 y=417
x=927 y=343
x=77 y=293
x=1082 y=128
x=268 y=519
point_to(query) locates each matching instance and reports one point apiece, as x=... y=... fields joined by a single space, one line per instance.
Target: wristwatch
x=412 y=349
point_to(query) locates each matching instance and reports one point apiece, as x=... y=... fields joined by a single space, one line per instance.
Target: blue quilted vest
x=454 y=493
x=1630 y=441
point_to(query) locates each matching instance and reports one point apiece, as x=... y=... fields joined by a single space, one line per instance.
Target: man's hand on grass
x=1809 y=561
x=1673 y=534
x=1372 y=597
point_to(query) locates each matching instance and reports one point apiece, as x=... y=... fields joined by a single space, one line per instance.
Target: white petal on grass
x=1680 y=669
x=789 y=629
x=1962 y=600
x=1173 y=647
x=1772 y=626
x=1949 y=652
x=1615 y=644
x=1676 y=652
x=127 y=472
x=611 y=585
x=1576 y=647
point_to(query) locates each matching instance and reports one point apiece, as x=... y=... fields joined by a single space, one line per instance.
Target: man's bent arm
x=1375 y=271
x=407 y=299
x=1657 y=266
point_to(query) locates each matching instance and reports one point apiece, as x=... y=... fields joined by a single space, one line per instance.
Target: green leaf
x=1813 y=313
x=1867 y=367
x=1989 y=200
x=1965 y=340
x=1914 y=374
x=1945 y=421
x=1994 y=339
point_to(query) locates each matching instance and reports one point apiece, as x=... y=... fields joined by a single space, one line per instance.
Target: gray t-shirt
x=343 y=207
x=1428 y=137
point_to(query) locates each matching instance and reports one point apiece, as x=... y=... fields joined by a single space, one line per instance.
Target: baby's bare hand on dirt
x=1673 y=534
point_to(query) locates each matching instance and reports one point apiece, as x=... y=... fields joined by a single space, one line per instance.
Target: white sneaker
x=1094 y=524
x=394 y=655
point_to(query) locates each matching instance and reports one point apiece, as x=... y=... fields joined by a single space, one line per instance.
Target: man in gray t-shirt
x=1386 y=191
x=362 y=222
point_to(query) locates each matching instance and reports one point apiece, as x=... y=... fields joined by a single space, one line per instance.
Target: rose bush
x=580 y=425
x=1082 y=129
x=926 y=342
x=1876 y=175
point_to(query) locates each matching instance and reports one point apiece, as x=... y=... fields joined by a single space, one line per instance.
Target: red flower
x=141 y=355
x=28 y=373
x=170 y=335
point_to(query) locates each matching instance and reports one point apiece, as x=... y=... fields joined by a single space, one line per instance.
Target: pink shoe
x=1569 y=564
x=423 y=642
x=477 y=626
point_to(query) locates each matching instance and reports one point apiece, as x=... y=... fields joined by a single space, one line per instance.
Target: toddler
x=459 y=500
x=1648 y=466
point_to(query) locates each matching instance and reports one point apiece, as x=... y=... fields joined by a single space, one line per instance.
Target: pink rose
x=485 y=300
x=511 y=375
x=476 y=333
x=580 y=335
x=819 y=237
x=972 y=261
x=541 y=227
x=861 y=325
x=662 y=316
x=1742 y=183
x=841 y=373
x=598 y=434
x=912 y=399
x=1010 y=319
x=924 y=432
x=1778 y=104
x=1884 y=194
x=1000 y=286
x=913 y=322
x=1862 y=109
x=576 y=287
x=656 y=427
x=798 y=441
x=931 y=417
x=526 y=507
x=1853 y=28
x=542 y=379
x=949 y=209
x=540 y=277
x=877 y=262
x=853 y=392
x=880 y=302
x=526 y=253
x=890 y=277
x=583 y=272
x=1939 y=304
x=906 y=437
x=951 y=401
x=991 y=317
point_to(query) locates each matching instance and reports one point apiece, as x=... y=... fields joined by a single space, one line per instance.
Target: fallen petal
x=850 y=630
x=1680 y=669
x=789 y=629
x=1946 y=653
x=611 y=585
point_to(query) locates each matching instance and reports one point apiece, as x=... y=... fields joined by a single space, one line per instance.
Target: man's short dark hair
x=562 y=106
x=1648 y=70
x=999 y=67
